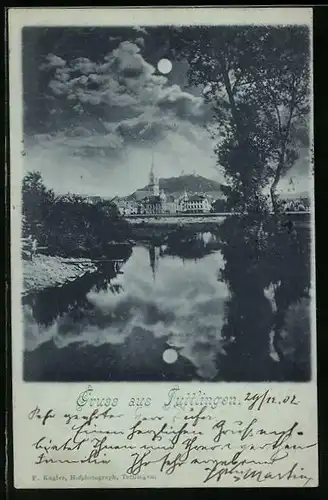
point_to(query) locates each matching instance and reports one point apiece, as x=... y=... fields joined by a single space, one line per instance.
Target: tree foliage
x=256 y=79
x=37 y=204
x=70 y=225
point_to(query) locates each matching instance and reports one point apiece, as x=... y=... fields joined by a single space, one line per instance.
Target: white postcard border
x=25 y=395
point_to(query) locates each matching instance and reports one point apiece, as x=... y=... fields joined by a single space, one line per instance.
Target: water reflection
x=267 y=269
x=225 y=305
x=192 y=246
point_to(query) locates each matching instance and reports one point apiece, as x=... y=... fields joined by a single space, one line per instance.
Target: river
x=204 y=308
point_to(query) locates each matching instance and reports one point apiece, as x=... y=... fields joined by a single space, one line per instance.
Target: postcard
x=162 y=248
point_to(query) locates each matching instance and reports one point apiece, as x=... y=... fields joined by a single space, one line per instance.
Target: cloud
x=144 y=127
x=53 y=61
x=81 y=142
x=67 y=166
x=123 y=93
x=140 y=29
x=114 y=38
x=190 y=319
x=105 y=116
x=140 y=41
x=184 y=104
x=128 y=61
x=123 y=78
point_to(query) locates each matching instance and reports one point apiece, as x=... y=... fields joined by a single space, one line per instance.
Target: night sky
x=96 y=109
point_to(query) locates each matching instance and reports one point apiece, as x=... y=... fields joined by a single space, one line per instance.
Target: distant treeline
x=70 y=225
x=260 y=204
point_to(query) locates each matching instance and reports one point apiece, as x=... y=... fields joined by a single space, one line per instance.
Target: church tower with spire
x=152 y=175
x=156 y=187
x=153 y=181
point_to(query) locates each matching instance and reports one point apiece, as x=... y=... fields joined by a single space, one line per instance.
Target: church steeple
x=153 y=180
x=151 y=173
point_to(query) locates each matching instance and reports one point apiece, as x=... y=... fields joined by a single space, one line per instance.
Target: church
x=151 y=200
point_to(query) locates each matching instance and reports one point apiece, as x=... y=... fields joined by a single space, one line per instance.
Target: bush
x=70 y=225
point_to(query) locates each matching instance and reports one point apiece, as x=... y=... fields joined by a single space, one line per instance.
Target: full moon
x=164 y=66
x=170 y=356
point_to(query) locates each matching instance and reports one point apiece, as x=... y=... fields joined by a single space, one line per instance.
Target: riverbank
x=171 y=220
x=47 y=271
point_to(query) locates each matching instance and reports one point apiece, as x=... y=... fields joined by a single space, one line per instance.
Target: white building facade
x=195 y=203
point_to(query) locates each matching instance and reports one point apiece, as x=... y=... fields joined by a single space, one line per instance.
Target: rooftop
x=152 y=199
x=196 y=197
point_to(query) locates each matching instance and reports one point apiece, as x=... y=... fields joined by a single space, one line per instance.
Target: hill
x=295 y=195
x=189 y=183
x=193 y=183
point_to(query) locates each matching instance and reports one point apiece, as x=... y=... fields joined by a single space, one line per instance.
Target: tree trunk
x=274 y=197
x=234 y=110
x=282 y=154
x=273 y=188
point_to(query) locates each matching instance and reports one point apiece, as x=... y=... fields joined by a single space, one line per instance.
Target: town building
x=131 y=207
x=151 y=205
x=195 y=203
x=93 y=199
x=171 y=204
x=126 y=206
x=152 y=189
x=151 y=200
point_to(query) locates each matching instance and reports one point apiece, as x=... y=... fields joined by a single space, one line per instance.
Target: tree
x=37 y=204
x=283 y=93
x=70 y=225
x=256 y=80
x=219 y=206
